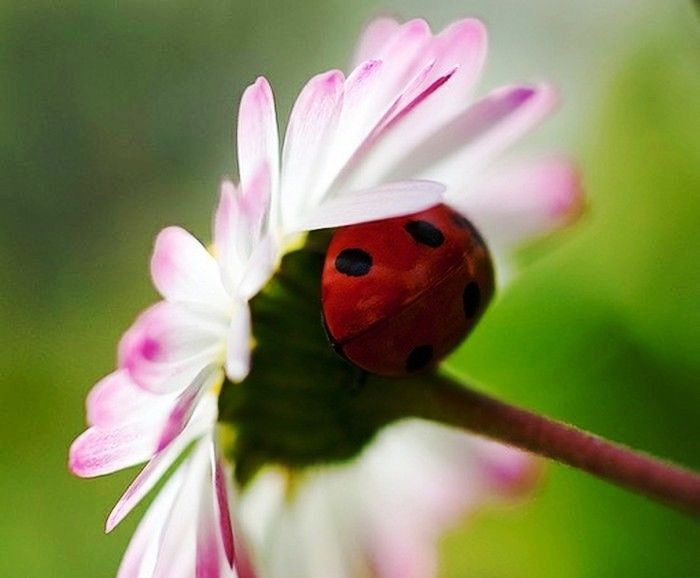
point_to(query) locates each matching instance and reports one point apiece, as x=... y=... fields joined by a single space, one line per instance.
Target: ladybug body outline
x=400 y=294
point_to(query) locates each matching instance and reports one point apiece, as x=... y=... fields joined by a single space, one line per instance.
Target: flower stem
x=452 y=403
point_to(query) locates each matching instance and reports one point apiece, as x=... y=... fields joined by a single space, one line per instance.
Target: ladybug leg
x=358 y=381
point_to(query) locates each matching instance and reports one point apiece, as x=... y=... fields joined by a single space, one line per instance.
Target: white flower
x=402 y=132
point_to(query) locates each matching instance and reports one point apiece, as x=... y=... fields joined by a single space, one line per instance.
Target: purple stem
x=453 y=403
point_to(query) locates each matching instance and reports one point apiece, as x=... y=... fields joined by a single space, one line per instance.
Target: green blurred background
x=117 y=119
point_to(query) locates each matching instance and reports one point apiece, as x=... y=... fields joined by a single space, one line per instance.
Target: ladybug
x=399 y=294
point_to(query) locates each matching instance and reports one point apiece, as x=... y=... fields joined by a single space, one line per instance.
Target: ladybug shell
x=399 y=294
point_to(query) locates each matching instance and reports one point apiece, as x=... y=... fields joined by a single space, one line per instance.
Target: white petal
x=193 y=523
x=258 y=141
x=260 y=268
x=374 y=37
x=482 y=133
x=239 y=225
x=310 y=135
x=239 y=343
x=188 y=402
x=161 y=462
x=390 y=200
x=361 y=112
x=458 y=53
x=184 y=271
x=170 y=343
x=452 y=152
x=443 y=474
x=103 y=450
x=403 y=56
x=177 y=552
x=212 y=558
x=140 y=558
x=512 y=206
x=118 y=399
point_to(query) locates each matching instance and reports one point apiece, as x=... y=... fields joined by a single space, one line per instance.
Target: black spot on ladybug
x=425 y=233
x=471 y=298
x=353 y=262
x=462 y=222
x=419 y=358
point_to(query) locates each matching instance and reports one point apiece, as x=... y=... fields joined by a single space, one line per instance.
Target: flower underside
x=303 y=404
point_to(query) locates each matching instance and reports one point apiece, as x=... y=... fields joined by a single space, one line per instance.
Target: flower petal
x=239 y=223
x=514 y=205
x=103 y=450
x=310 y=134
x=186 y=403
x=202 y=422
x=170 y=343
x=258 y=140
x=117 y=399
x=385 y=201
x=222 y=501
x=463 y=46
x=458 y=54
x=374 y=37
x=239 y=343
x=184 y=271
x=191 y=543
x=260 y=268
x=404 y=54
x=455 y=150
x=443 y=473
x=213 y=560
x=141 y=555
x=483 y=132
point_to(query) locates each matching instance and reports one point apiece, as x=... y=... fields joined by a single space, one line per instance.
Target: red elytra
x=398 y=295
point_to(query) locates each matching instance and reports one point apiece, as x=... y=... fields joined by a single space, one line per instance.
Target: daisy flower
x=400 y=133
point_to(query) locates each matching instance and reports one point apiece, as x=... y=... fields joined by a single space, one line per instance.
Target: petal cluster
x=188 y=525
x=383 y=516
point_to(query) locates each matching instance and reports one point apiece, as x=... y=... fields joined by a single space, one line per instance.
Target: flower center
x=298 y=406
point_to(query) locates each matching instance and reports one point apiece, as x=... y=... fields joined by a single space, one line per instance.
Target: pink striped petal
x=202 y=422
x=405 y=71
x=191 y=543
x=258 y=140
x=528 y=112
x=222 y=500
x=177 y=551
x=213 y=561
x=186 y=403
x=458 y=53
x=462 y=46
x=169 y=344
x=360 y=113
x=457 y=149
x=183 y=270
x=403 y=55
x=310 y=134
x=512 y=206
x=141 y=555
x=453 y=152
x=103 y=450
x=363 y=168
x=385 y=201
x=117 y=399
